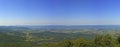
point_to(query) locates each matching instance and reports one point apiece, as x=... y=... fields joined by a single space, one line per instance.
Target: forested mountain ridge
x=59 y=36
x=98 y=41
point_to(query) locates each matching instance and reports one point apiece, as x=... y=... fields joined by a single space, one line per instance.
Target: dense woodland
x=83 y=36
x=98 y=41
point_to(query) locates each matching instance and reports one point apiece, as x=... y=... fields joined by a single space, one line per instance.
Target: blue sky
x=59 y=12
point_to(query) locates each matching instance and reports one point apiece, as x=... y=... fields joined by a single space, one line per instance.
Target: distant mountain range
x=62 y=27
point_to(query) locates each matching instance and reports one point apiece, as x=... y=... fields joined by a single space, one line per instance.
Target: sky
x=59 y=12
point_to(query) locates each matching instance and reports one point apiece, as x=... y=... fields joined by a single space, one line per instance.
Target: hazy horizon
x=59 y=12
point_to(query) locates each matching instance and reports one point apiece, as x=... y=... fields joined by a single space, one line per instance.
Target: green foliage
x=12 y=41
x=118 y=39
x=98 y=41
x=105 y=41
x=82 y=43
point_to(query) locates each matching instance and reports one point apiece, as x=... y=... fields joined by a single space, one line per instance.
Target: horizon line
x=62 y=25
